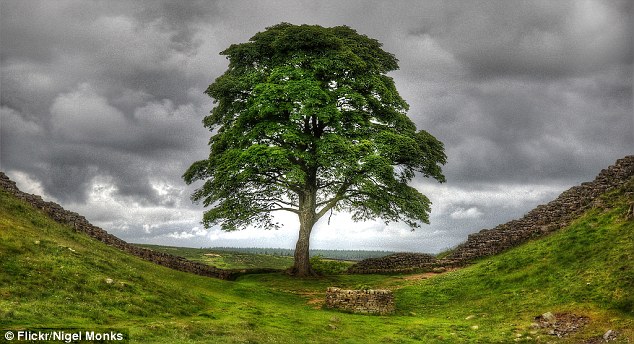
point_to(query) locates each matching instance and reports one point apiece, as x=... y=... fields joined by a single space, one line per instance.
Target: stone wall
x=538 y=222
x=544 y=219
x=80 y=224
x=360 y=301
x=395 y=263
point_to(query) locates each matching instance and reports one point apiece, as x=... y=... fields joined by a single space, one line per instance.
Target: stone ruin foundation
x=370 y=301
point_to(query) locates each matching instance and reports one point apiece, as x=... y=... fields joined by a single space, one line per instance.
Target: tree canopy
x=307 y=121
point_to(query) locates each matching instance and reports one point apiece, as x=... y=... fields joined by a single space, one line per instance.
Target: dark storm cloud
x=102 y=101
x=536 y=39
x=116 y=45
x=529 y=90
x=525 y=130
x=107 y=87
x=182 y=18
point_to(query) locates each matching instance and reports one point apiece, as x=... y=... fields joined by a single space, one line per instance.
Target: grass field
x=51 y=276
x=226 y=259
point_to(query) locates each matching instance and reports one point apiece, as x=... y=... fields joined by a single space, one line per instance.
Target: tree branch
x=329 y=184
x=280 y=182
x=341 y=194
x=283 y=209
x=328 y=206
x=274 y=201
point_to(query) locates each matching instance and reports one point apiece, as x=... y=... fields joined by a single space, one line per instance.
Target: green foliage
x=306 y=119
x=328 y=267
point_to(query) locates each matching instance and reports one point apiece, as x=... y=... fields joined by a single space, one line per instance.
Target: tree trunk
x=307 y=218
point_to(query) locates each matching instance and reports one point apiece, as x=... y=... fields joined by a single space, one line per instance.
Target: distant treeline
x=331 y=254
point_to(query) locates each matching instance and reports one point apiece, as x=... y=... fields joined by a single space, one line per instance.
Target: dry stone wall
x=544 y=219
x=360 y=301
x=80 y=224
x=540 y=221
x=395 y=263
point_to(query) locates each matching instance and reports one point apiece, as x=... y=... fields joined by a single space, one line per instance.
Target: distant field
x=350 y=255
x=226 y=259
x=251 y=257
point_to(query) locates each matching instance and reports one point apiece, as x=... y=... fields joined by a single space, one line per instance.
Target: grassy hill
x=586 y=269
x=51 y=276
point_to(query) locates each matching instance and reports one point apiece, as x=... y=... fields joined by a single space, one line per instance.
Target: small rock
x=548 y=316
x=609 y=335
x=37 y=242
x=475 y=327
x=470 y=317
x=332 y=327
x=109 y=280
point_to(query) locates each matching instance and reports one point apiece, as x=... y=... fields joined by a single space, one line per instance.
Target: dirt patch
x=313 y=299
x=426 y=275
x=316 y=303
x=561 y=324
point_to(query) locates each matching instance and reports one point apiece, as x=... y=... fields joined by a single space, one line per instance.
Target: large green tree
x=307 y=121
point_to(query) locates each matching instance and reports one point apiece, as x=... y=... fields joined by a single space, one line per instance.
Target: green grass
x=586 y=269
x=51 y=276
x=225 y=259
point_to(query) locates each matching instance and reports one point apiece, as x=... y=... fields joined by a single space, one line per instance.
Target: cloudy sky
x=102 y=102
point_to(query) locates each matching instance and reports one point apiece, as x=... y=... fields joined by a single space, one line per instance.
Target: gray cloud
x=101 y=103
x=535 y=39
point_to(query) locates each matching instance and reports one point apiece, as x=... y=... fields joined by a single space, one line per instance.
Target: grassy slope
x=585 y=269
x=53 y=277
